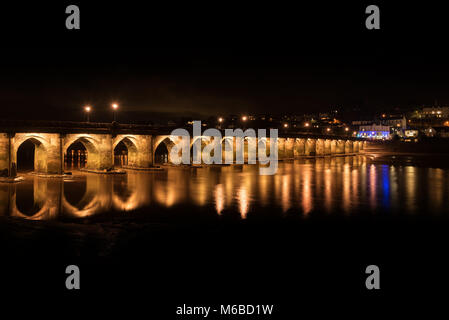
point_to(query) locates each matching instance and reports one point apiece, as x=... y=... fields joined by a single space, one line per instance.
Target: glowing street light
x=114 y=109
x=220 y=119
x=306 y=124
x=328 y=129
x=285 y=125
x=346 y=129
x=87 y=109
x=244 y=118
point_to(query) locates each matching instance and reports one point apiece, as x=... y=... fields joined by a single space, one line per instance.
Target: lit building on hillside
x=377 y=132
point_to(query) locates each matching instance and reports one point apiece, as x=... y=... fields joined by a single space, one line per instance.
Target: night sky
x=166 y=61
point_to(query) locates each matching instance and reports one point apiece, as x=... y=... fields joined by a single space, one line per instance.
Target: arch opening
x=230 y=155
x=76 y=156
x=31 y=156
x=120 y=155
x=263 y=145
x=125 y=153
x=161 y=153
x=85 y=155
x=199 y=151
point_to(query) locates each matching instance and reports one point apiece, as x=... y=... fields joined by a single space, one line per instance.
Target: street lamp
x=306 y=124
x=87 y=109
x=285 y=125
x=244 y=118
x=114 y=108
x=220 y=119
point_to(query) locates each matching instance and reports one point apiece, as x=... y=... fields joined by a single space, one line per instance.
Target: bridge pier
x=327 y=147
x=349 y=146
x=340 y=147
x=299 y=147
x=289 y=148
x=5 y=152
x=281 y=148
x=310 y=147
x=355 y=147
x=319 y=151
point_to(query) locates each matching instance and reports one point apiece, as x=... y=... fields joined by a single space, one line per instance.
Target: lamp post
x=87 y=109
x=114 y=108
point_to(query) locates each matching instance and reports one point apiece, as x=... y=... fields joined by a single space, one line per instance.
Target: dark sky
x=165 y=60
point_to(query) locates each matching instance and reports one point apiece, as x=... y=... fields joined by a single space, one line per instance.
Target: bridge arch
x=227 y=156
x=36 y=147
x=162 y=148
x=205 y=140
x=93 y=155
x=250 y=145
x=125 y=151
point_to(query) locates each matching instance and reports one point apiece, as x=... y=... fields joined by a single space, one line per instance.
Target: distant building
x=411 y=133
x=442 y=132
x=362 y=122
x=430 y=132
x=398 y=122
x=374 y=131
x=432 y=112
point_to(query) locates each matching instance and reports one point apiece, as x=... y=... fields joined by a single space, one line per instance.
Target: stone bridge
x=146 y=145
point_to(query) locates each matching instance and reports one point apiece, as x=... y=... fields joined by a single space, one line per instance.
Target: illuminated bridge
x=143 y=146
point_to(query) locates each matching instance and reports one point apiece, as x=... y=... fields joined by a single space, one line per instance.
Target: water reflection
x=346 y=184
x=306 y=190
x=219 y=198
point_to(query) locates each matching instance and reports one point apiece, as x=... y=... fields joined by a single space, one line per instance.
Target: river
x=334 y=185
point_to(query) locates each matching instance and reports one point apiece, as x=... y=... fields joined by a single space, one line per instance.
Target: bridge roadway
x=52 y=140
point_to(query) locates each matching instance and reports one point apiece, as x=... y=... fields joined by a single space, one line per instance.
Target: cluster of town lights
x=88 y=109
x=285 y=125
x=115 y=106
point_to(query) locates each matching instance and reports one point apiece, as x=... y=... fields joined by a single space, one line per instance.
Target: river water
x=343 y=185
